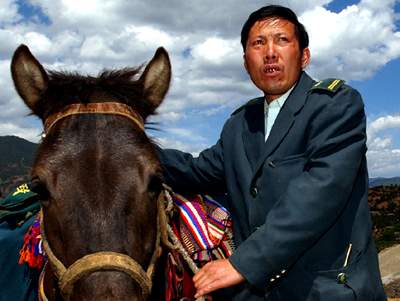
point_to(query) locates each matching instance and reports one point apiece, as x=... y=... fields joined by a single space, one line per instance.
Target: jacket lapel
x=253 y=131
x=286 y=118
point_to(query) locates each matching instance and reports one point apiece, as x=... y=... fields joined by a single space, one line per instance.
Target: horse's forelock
x=121 y=85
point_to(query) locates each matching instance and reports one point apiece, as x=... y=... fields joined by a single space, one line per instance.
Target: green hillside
x=16 y=159
x=384 y=202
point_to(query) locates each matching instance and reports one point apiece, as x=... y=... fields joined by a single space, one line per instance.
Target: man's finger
x=204 y=274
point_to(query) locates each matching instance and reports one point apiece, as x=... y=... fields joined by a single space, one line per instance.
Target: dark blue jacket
x=297 y=200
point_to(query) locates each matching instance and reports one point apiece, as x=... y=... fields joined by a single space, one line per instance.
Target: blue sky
x=339 y=5
x=358 y=41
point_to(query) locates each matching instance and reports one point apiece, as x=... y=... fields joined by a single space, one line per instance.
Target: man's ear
x=245 y=62
x=305 y=57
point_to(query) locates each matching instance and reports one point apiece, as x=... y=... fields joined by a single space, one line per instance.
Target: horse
x=98 y=176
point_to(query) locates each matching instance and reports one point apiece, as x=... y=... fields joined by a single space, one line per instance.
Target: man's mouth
x=271 y=69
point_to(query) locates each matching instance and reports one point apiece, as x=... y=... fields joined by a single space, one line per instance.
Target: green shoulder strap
x=331 y=85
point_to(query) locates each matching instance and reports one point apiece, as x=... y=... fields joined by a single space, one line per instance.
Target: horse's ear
x=156 y=78
x=30 y=78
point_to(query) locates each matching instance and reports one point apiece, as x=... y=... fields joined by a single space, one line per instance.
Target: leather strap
x=111 y=108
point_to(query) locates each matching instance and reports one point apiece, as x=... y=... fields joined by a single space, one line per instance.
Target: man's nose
x=270 y=52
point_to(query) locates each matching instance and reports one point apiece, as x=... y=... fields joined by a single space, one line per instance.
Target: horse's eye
x=38 y=187
x=155 y=185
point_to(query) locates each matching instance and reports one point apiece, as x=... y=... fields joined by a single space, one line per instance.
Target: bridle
x=110 y=108
x=103 y=261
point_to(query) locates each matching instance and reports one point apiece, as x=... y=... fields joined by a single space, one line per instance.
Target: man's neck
x=271 y=98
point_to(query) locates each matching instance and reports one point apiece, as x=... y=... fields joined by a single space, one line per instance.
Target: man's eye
x=283 y=39
x=257 y=42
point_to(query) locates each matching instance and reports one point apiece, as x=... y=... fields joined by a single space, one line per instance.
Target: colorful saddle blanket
x=204 y=228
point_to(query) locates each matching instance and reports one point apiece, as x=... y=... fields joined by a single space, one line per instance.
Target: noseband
x=102 y=261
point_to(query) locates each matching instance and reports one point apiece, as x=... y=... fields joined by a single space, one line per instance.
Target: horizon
x=370 y=178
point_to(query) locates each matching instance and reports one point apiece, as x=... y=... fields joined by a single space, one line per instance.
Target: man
x=296 y=177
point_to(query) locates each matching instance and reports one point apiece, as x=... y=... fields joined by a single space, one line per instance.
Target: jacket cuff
x=256 y=271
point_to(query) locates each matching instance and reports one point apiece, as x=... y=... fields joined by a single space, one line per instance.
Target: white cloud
x=88 y=9
x=11 y=105
x=152 y=37
x=168 y=116
x=383 y=154
x=8 y=12
x=66 y=42
x=38 y=43
x=381 y=143
x=120 y=33
x=97 y=47
x=90 y=15
x=9 y=38
x=185 y=133
x=212 y=111
x=216 y=50
x=354 y=43
x=384 y=163
x=189 y=147
x=300 y=6
x=12 y=129
x=382 y=123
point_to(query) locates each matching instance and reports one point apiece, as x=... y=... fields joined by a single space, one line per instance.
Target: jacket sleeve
x=186 y=173
x=312 y=201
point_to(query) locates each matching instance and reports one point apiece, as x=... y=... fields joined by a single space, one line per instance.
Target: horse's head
x=97 y=174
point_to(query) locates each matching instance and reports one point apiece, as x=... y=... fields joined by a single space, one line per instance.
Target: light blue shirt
x=272 y=110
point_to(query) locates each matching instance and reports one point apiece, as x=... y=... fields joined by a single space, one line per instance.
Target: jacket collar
x=253 y=131
x=257 y=150
x=297 y=98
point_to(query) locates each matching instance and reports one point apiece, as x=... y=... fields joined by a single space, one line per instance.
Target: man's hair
x=279 y=12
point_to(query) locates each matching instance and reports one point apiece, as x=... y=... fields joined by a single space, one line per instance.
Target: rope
x=104 y=261
x=57 y=266
x=171 y=240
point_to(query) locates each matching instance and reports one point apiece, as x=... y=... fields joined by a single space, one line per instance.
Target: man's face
x=273 y=57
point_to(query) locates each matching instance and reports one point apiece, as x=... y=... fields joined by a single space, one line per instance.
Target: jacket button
x=342 y=278
x=253 y=191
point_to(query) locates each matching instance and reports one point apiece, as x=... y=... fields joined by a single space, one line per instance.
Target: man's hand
x=215 y=275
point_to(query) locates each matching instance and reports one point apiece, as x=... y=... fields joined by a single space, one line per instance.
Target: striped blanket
x=204 y=228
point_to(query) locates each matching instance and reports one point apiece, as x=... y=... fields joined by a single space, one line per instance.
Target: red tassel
x=31 y=251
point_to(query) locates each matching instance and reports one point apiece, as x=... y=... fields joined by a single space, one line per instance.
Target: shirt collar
x=279 y=102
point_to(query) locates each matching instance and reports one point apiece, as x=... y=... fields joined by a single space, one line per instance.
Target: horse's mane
x=123 y=85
